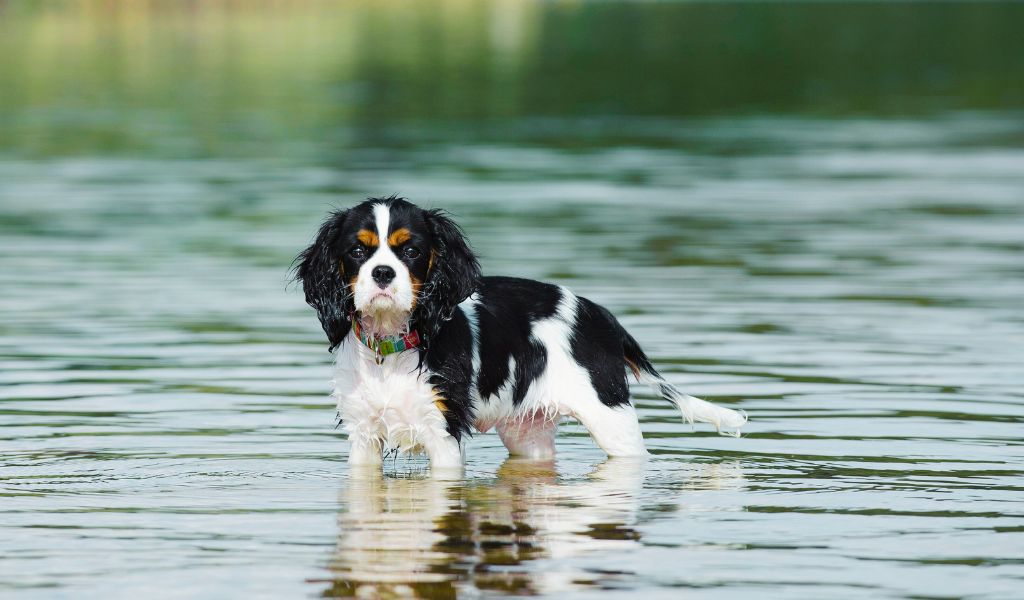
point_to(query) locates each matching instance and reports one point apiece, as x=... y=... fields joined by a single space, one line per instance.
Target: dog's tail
x=726 y=421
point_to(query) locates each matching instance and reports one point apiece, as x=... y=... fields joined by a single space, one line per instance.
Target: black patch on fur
x=635 y=354
x=454 y=276
x=318 y=267
x=529 y=367
x=450 y=364
x=507 y=309
x=598 y=344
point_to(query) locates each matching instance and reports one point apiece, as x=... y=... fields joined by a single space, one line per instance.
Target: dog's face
x=390 y=264
x=386 y=258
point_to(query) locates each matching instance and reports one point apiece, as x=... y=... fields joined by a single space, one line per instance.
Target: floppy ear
x=454 y=274
x=326 y=290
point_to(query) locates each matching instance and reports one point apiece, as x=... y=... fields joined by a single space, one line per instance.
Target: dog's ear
x=454 y=274
x=318 y=268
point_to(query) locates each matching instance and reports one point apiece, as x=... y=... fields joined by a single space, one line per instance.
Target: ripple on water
x=164 y=409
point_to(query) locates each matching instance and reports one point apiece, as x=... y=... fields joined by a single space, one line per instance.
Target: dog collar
x=391 y=344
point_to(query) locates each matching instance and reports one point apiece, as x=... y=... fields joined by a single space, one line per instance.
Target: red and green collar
x=382 y=346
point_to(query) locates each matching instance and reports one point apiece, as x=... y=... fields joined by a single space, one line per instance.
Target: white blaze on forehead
x=382 y=218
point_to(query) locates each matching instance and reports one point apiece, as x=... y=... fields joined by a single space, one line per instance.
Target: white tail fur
x=726 y=420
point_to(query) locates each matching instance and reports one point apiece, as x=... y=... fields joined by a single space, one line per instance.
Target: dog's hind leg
x=529 y=436
x=614 y=428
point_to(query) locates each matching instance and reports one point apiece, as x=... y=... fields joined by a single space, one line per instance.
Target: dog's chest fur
x=392 y=401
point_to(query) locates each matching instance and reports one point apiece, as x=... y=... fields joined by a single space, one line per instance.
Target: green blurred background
x=195 y=79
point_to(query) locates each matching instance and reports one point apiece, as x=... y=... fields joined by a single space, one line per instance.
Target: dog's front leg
x=445 y=454
x=450 y=374
x=364 y=450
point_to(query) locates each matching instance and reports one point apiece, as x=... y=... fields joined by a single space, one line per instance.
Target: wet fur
x=513 y=354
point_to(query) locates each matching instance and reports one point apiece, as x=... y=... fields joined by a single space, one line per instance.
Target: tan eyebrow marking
x=368 y=237
x=399 y=236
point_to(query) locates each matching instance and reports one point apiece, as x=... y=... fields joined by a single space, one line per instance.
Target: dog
x=428 y=349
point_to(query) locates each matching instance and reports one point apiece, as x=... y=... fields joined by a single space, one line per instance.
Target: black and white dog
x=430 y=349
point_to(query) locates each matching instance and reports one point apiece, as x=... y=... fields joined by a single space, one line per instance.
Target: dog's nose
x=383 y=275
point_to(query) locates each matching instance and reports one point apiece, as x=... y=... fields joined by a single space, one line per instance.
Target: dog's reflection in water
x=433 y=538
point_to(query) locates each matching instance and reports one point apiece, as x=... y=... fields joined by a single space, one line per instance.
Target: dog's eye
x=357 y=252
x=411 y=252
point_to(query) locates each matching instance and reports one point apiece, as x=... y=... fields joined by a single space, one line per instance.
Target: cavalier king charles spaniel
x=430 y=349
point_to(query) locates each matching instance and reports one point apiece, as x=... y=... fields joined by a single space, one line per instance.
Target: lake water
x=846 y=269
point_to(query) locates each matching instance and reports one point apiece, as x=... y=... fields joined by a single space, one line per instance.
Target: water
x=852 y=281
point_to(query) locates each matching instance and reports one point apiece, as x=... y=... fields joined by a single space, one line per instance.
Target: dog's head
x=389 y=264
